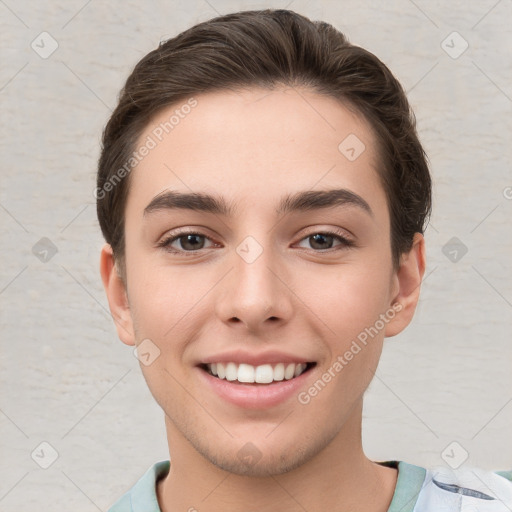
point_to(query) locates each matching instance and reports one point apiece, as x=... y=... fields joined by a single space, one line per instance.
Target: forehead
x=253 y=143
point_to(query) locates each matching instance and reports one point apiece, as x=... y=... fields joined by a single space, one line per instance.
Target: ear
x=117 y=296
x=406 y=286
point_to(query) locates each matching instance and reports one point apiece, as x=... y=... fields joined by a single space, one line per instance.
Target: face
x=283 y=275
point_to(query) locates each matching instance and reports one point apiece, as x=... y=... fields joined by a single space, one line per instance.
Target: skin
x=254 y=146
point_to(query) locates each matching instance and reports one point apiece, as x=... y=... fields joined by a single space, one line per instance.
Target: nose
x=255 y=294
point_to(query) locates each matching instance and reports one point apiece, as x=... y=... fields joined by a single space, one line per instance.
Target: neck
x=339 y=478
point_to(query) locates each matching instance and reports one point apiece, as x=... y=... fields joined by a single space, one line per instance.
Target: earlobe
x=116 y=294
x=408 y=280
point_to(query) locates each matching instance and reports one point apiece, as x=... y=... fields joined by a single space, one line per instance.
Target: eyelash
x=166 y=242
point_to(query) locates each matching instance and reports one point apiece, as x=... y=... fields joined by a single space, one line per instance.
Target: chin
x=264 y=466
x=274 y=458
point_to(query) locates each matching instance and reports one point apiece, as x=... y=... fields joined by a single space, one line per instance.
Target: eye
x=324 y=240
x=192 y=241
x=187 y=241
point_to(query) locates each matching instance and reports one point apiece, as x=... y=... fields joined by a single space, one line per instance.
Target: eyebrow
x=297 y=202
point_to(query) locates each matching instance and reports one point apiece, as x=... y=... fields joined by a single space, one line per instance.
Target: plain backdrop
x=443 y=390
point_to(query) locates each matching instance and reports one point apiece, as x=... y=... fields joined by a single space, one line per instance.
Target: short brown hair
x=267 y=48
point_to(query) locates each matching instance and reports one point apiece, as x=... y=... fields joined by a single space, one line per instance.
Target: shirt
x=417 y=490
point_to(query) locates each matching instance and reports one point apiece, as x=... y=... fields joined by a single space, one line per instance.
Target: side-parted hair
x=268 y=48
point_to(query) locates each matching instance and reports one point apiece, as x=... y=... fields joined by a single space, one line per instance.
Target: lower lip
x=255 y=396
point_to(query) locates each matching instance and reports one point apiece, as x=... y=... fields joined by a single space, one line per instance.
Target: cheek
x=352 y=309
x=167 y=300
x=349 y=299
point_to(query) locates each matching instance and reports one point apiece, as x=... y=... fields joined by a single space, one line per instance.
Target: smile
x=262 y=374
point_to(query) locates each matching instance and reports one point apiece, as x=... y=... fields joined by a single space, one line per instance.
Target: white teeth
x=263 y=374
x=245 y=372
x=279 y=371
x=231 y=371
x=289 y=371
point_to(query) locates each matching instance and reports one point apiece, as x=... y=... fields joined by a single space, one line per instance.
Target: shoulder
x=123 y=504
x=142 y=496
x=464 y=489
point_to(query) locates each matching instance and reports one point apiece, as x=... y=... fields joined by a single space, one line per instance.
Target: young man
x=263 y=195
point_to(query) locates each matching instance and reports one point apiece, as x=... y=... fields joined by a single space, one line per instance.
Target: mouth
x=263 y=374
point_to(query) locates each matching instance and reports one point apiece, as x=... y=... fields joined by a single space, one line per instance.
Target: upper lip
x=254 y=359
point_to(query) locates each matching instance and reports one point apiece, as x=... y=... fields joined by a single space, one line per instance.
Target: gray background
x=65 y=377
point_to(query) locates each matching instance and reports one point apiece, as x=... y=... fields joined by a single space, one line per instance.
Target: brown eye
x=191 y=242
x=321 y=241
x=184 y=242
x=325 y=241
